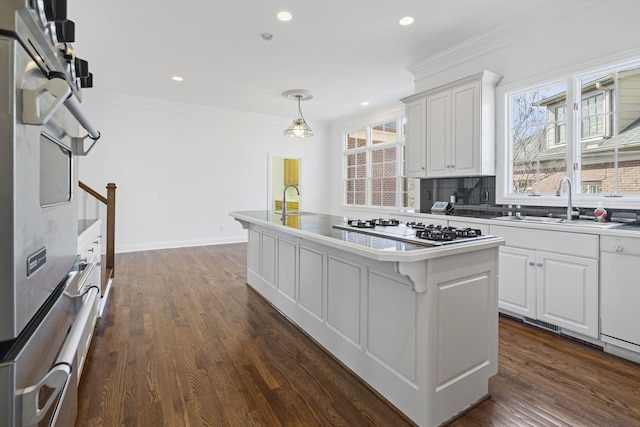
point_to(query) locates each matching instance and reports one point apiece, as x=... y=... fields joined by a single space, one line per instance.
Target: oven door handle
x=58 y=376
x=70 y=348
x=57 y=379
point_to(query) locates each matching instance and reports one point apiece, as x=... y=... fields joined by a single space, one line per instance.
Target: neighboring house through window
x=595 y=140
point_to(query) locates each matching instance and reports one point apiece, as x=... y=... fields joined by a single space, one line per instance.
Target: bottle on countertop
x=600 y=213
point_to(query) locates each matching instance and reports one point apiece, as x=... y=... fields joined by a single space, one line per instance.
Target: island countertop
x=320 y=228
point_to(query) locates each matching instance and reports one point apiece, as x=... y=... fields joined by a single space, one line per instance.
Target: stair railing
x=110 y=202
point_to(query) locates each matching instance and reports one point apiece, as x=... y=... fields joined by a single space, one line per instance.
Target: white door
x=438 y=134
x=568 y=292
x=517 y=281
x=465 y=134
x=415 y=149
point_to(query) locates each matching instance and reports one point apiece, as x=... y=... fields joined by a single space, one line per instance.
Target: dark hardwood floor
x=184 y=342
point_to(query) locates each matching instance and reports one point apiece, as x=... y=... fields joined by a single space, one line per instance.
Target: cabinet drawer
x=576 y=244
x=623 y=245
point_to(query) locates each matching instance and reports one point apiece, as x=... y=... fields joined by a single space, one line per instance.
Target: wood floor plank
x=184 y=342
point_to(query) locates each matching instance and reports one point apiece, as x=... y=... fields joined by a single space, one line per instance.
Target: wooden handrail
x=93 y=192
x=110 y=201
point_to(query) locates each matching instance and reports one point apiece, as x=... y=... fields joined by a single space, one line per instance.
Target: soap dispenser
x=600 y=213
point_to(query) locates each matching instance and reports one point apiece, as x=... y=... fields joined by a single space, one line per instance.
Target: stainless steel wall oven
x=41 y=308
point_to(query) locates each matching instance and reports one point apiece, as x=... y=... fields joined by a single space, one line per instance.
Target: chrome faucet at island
x=284 y=201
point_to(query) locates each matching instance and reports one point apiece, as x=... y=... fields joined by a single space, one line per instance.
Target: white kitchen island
x=418 y=324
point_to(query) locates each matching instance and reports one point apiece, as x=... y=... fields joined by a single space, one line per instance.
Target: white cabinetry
x=451 y=128
x=517 y=281
x=550 y=276
x=415 y=138
x=422 y=333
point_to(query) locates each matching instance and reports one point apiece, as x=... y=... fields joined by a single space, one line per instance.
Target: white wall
x=576 y=36
x=180 y=169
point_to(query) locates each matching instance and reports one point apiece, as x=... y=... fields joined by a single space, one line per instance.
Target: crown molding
x=157 y=104
x=498 y=38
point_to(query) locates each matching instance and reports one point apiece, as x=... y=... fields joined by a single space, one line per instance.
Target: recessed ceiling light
x=177 y=78
x=284 y=16
x=407 y=20
x=365 y=103
x=266 y=36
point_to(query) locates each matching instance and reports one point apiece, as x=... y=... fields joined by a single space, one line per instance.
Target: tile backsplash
x=466 y=191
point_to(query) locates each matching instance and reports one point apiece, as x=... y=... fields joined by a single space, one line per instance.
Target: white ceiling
x=343 y=51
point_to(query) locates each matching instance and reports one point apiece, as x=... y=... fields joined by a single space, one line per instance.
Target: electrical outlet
x=221 y=227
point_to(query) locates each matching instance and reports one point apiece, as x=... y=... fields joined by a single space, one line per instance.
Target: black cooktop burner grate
x=436 y=234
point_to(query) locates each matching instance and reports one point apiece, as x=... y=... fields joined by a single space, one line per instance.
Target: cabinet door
x=439 y=135
x=568 y=292
x=517 y=281
x=291 y=171
x=415 y=148
x=465 y=130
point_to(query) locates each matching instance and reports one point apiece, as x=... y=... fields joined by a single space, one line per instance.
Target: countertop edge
x=621 y=232
x=378 y=255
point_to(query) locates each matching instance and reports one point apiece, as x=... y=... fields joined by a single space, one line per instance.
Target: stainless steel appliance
x=40 y=93
x=414 y=232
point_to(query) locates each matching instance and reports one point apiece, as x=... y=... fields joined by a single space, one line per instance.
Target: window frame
x=399 y=145
x=504 y=146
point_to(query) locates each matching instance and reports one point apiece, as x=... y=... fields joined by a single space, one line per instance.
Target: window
x=538 y=124
x=355 y=182
x=374 y=161
x=609 y=123
x=561 y=125
x=585 y=126
x=593 y=116
x=592 y=187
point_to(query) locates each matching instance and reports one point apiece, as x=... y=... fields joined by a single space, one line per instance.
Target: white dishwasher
x=620 y=295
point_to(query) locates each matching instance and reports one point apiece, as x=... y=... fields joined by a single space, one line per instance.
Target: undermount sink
x=559 y=221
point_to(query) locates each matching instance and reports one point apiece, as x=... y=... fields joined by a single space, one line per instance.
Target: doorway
x=284 y=171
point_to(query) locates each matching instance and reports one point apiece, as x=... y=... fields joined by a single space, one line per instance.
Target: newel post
x=111 y=225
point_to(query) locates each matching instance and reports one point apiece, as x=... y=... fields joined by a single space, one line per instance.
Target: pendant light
x=299 y=128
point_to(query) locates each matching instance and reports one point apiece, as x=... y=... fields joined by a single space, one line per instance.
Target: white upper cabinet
x=451 y=128
x=415 y=147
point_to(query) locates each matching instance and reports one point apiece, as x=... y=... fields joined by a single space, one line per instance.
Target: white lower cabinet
x=567 y=292
x=517 y=281
x=559 y=288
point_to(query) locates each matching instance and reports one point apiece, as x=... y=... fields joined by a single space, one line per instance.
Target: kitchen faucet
x=569 y=195
x=284 y=201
